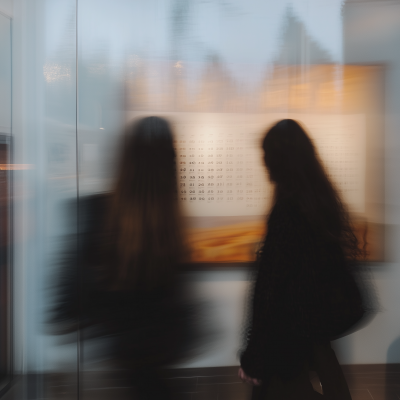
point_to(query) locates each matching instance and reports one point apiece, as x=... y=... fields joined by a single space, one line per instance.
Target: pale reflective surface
x=5 y=201
x=76 y=85
x=5 y=75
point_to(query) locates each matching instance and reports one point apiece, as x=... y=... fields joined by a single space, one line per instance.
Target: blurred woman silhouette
x=131 y=252
x=305 y=293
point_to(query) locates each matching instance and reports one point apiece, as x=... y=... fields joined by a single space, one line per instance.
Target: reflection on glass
x=222 y=73
x=5 y=201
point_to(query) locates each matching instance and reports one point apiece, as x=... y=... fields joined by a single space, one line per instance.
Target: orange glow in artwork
x=229 y=243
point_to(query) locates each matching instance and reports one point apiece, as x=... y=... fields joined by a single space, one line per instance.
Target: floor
x=366 y=382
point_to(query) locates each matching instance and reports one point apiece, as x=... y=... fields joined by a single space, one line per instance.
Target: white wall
x=225 y=295
x=372 y=36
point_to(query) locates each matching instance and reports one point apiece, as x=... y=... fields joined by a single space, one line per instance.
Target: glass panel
x=5 y=200
x=44 y=132
x=5 y=75
x=102 y=32
x=57 y=199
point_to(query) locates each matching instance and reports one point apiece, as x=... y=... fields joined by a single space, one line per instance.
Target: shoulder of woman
x=95 y=201
x=92 y=208
x=286 y=211
x=86 y=205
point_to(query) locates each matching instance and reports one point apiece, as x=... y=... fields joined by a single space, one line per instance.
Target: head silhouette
x=299 y=177
x=290 y=156
x=144 y=217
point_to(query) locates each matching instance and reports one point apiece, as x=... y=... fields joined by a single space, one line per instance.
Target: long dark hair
x=145 y=241
x=295 y=169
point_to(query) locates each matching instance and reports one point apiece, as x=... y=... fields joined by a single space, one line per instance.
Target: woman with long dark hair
x=130 y=256
x=143 y=217
x=305 y=294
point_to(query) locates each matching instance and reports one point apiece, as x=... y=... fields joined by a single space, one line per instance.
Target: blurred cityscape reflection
x=74 y=74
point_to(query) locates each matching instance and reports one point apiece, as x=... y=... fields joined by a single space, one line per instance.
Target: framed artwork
x=224 y=189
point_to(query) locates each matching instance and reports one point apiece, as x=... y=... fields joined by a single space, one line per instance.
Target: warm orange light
x=15 y=167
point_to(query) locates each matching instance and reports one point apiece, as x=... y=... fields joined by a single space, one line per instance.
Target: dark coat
x=149 y=327
x=304 y=293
